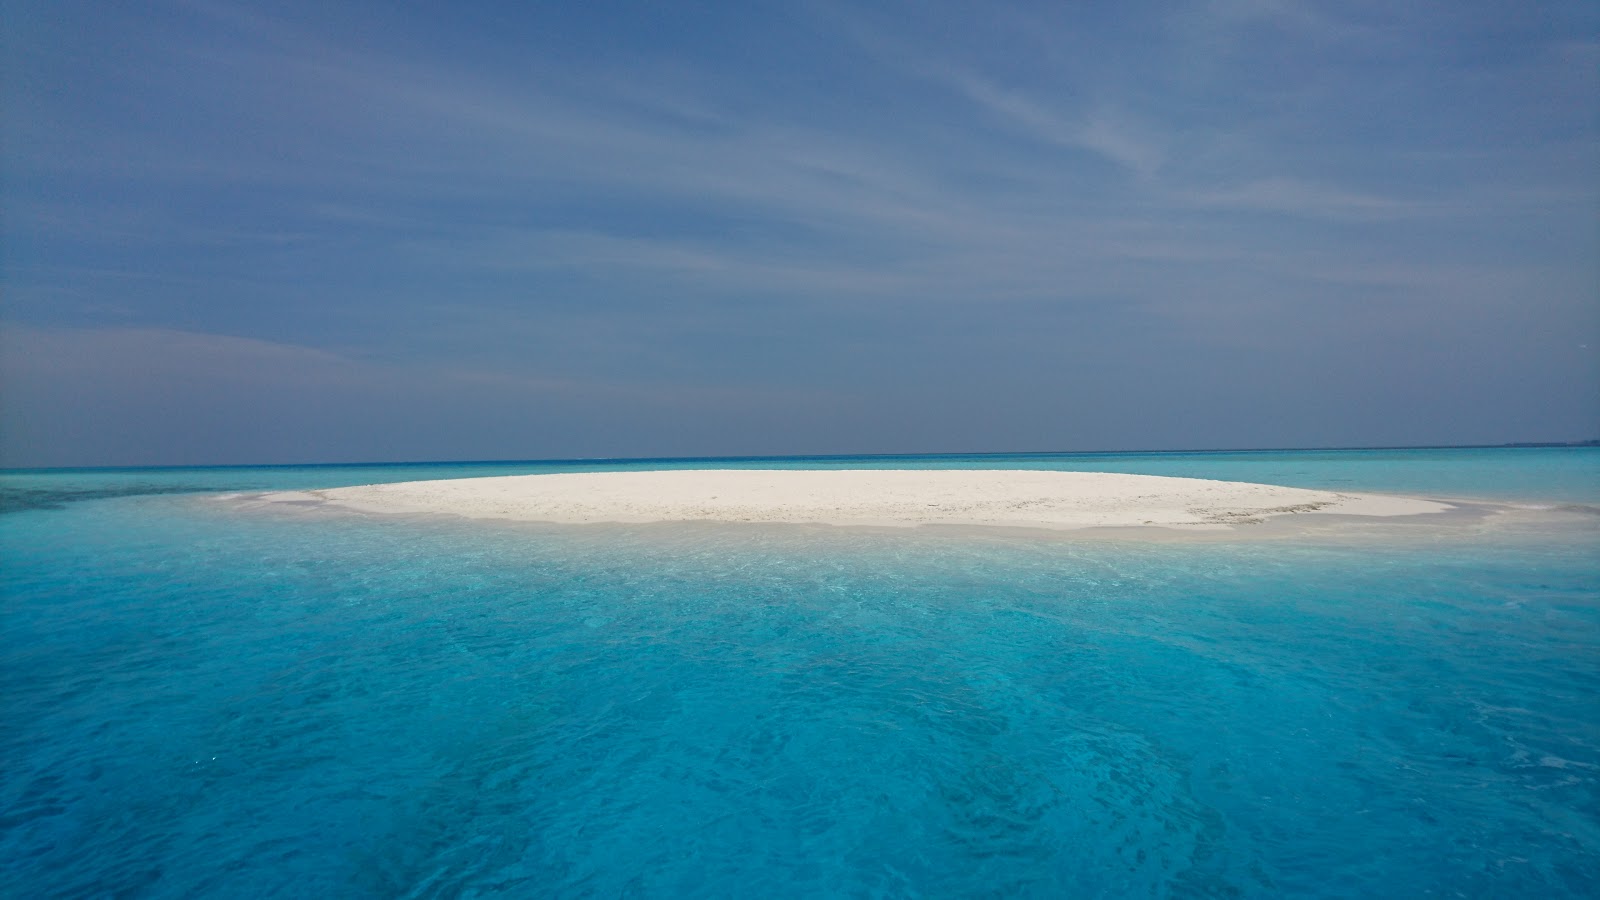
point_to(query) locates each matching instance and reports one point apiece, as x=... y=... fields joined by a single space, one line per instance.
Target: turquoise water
x=204 y=702
x=1564 y=475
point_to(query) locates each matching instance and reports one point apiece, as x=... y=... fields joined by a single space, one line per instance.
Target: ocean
x=203 y=701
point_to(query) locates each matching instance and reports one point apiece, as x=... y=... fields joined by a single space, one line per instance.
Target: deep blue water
x=204 y=702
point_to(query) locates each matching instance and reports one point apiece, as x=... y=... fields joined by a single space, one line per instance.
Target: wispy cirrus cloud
x=1293 y=197
x=945 y=203
x=1097 y=134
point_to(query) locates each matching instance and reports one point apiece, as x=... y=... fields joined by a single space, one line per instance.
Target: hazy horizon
x=435 y=233
x=887 y=454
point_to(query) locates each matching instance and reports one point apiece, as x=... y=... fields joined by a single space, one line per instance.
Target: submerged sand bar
x=871 y=497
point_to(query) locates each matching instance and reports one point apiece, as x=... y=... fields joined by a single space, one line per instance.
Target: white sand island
x=860 y=497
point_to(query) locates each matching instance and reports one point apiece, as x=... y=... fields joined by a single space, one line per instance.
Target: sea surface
x=199 y=700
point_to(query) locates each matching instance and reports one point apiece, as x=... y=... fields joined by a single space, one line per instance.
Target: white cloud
x=1098 y=135
x=1294 y=197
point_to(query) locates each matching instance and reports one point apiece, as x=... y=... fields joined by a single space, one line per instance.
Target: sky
x=312 y=232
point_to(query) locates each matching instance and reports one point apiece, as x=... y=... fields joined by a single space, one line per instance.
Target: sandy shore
x=875 y=497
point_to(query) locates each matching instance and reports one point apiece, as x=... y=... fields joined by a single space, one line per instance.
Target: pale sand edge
x=1031 y=499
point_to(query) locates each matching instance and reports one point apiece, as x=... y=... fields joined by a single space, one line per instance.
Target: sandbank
x=862 y=497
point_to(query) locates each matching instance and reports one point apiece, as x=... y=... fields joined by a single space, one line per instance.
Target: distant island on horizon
x=1592 y=443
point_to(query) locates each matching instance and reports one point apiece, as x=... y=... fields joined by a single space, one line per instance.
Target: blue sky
x=366 y=231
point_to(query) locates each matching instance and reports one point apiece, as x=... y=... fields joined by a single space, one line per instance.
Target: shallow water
x=205 y=703
x=1564 y=475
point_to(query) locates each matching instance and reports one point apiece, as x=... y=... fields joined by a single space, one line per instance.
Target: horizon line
x=592 y=460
